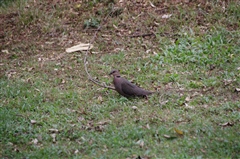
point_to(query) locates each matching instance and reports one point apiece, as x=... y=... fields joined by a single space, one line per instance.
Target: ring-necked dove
x=126 y=88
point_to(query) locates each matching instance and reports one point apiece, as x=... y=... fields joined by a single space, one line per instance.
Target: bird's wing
x=129 y=88
x=133 y=90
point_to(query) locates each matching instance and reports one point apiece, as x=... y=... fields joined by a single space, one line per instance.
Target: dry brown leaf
x=187 y=99
x=79 y=47
x=228 y=81
x=140 y=143
x=5 y=51
x=16 y=149
x=179 y=132
x=237 y=89
x=148 y=127
x=103 y=122
x=166 y=16
x=115 y=26
x=152 y=5
x=226 y=124
x=80 y=119
x=187 y=106
x=34 y=141
x=204 y=151
x=163 y=102
x=30 y=69
x=53 y=130
x=100 y=98
x=76 y=151
x=71 y=110
x=33 y=121
x=134 y=107
x=169 y=137
x=53 y=137
x=196 y=94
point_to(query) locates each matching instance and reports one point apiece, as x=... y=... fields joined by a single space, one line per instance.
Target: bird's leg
x=145 y=96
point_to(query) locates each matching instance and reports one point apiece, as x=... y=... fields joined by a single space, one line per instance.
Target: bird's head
x=115 y=73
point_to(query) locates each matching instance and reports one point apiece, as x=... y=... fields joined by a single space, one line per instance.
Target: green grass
x=192 y=60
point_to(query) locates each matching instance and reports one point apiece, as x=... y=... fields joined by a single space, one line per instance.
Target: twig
x=86 y=55
x=141 y=35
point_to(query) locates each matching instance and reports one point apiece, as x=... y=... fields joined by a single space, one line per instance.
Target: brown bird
x=126 y=88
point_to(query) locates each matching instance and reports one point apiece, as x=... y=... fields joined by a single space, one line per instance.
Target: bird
x=126 y=88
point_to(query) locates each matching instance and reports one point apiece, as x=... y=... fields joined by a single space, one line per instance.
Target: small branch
x=85 y=60
x=141 y=35
x=90 y=77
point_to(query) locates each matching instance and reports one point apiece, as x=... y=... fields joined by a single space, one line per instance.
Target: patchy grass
x=49 y=109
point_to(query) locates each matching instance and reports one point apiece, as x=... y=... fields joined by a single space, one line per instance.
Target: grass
x=49 y=109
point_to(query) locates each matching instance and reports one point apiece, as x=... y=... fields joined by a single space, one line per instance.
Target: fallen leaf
x=140 y=143
x=147 y=51
x=179 y=132
x=53 y=130
x=205 y=106
x=166 y=16
x=33 y=121
x=148 y=127
x=78 y=5
x=100 y=98
x=204 y=151
x=72 y=125
x=134 y=107
x=169 y=137
x=228 y=81
x=16 y=150
x=187 y=99
x=226 y=124
x=34 y=141
x=49 y=42
x=163 y=102
x=237 y=89
x=196 y=94
x=105 y=148
x=30 y=69
x=79 y=47
x=63 y=81
x=103 y=122
x=71 y=110
x=5 y=51
x=54 y=137
x=80 y=119
x=152 y=5
x=10 y=144
x=83 y=139
x=76 y=151
x=115 y=26
x=187 y=106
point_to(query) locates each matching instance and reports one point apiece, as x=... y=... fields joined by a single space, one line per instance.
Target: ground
x=186 y=51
